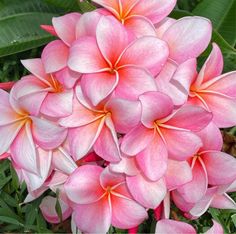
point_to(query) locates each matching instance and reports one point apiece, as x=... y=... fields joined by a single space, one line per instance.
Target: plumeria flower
x=138 y=15
x=215 y=92
x=102 y=198
x=115 y=61
x=23 y=131
x=154 y=140
x=96 y=126
x=209 y=166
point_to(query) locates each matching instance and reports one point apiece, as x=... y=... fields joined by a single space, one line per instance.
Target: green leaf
x=86 y=6
x=67 y=5
x=222 y=15
x=22 y=32
x=5 y=219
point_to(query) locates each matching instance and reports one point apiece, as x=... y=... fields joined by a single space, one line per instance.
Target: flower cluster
x=116 y=117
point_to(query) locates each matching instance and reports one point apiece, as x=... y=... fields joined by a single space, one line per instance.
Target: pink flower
x=113 y=61
x=155 y=139
x=22 y=131
x=96 y=126
x=215 y=92
x=101 y=198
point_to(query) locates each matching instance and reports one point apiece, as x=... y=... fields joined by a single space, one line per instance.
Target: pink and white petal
x=166 y=226
x=125 y=114
x=155 y=106
x=180 y=202
x=85 y=56
x=188 y=38
x=184 y=117
x=94 y=217
x=65 y=27
x=111 y=179
x=83 y=185
x=123 y=219
x=155 y=10
x=48 y=135
x=62 y=161
x=216 y=228
x=87 y=24
x=212 y=68
x=153 y=156
x=223 y=201
x=140 y=26
x=112 y=38
x=82 y=139
x=225 y=84
x=147 y=193
x=223 y=109
x=198 y=184
x=48 y=209
x=137 y=140
x=221 y=167
x=10 y=132
x=176 y=151
x=58 y=104
x=80 y=116
x=163 y=26
x=201 y=206
x=148 y=52
x=23 y=150
x=55 y=56
x=211 y=138
x=134 y=81
x=36 y=67
x=112 y=6
x=104 y=82
x=106 y=145
x=178 y=173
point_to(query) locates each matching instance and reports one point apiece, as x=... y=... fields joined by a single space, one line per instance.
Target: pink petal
x=155 y=10
x=94 y=217
x=212 y=68
x=123 y=219
x=153 y=156
x=178 y=173
x=211 y=138
x=106 y=145
x=47 y=134
x=138 y=186
x=55 y=56
x=83 y=185
x=136 y=140
x=48 y=209
x=10 y=132
x=87 y=24
x=134 y=81
x=155 y=105
x=148 y=52
x=188 y=38
x=183 y=118
x=58 y=104
x=223 y=109
x=221 y=167
x=84 y=137
x=163 y=26
x=223 y=201
x=125 y=114
x=216 y=228
x=176 y=150
x=111 y=179
x=198 y=184
x=112 y=6
x=180 y=202
x=104 y=82
x=85 y=56
x=110 y=31
x=48 y=28
x=65 y=27
x=23 y=150
x=166 y=226
x=140 y=26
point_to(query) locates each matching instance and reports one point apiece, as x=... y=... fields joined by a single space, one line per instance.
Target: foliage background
x=22 y=38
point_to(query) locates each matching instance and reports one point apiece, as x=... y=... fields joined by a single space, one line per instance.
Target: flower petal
x=188 y=38
x=83 y=185
x=216 y=228
x=223 y=201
